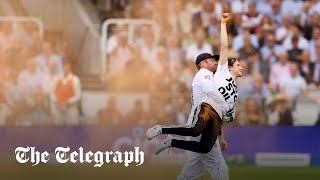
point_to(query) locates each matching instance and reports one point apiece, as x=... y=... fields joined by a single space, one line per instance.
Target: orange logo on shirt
x=207 y=77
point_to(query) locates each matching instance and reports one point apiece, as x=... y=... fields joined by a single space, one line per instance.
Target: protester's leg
x=194 y=129
x=209 y=134
x=201 y=117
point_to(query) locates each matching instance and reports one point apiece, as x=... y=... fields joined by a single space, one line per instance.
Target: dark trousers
x=208 y=124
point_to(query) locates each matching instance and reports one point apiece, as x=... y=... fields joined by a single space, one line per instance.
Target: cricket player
x=216 y=107
x=201 y=85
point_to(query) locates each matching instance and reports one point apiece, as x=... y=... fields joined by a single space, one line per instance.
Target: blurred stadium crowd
x=277 y=43
x=37 y=85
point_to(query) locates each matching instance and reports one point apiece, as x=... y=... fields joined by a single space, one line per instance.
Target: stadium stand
x=126 y=58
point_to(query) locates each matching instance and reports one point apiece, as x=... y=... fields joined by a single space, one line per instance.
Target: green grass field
x=85 y=172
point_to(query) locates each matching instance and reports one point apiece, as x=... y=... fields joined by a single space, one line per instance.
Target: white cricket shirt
x=202 y=84
x=224 y=93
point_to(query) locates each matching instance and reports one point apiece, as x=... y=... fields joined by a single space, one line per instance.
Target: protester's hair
x=231 y=61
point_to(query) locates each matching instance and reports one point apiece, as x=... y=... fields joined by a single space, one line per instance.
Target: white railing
x=15 y=19
x=131 y=23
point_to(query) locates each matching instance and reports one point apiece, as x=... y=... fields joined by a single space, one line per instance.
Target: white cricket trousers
x=197 y=163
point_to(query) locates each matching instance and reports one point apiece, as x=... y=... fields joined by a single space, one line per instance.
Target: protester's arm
x=224 y=39
x=222 y=141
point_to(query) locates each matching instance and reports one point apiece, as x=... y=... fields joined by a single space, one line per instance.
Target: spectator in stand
x=264 y=7
x=112 y=41
x=194 y=6
x=258 y=90
x=284 y=30
x=291 y=7
x=295 y=52
x=213 y=26
x=148 y=48
x=315 y=7
x=200 y=46
x=200 y=20
x=159 y=13
x=175 y=53
x=306 y=67
x=110 y=114
x=135 y=76
x=226 y=6
x=280 y=69
x=237 y=43
x=280 y=113
x=239 y=6
x=30 y=36
x=251 y=113
x=64 y=50
x=158 y=64
x=276 y=14
x=29 y=80
x=235 y=27
x=269 y=54
x=179 y=18
x=10 y=87
x=48 y=79
x=39 y=113
x=252 y=17
x=120 y=55
x=266 y=21
x=248 y=49
x=295 y=32
x=265 y=28
x=293 y=86
x=312 y=22
x=47 y=54
x=255 y=63
x=65 y=96
x=315 y=57
x=217 y=8
x=29 y=83
x=304 y=13
x=314 y=52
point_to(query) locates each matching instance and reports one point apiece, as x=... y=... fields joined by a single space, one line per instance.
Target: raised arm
x=224 y=39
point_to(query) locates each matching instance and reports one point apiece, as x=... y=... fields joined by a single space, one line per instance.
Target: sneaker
x=165 y=144
x=154 y=131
